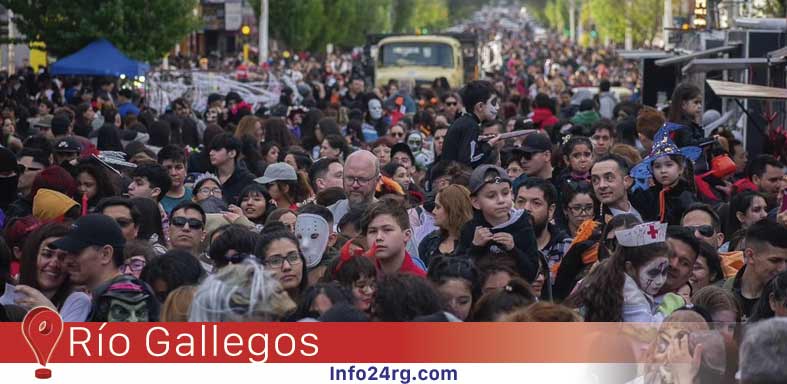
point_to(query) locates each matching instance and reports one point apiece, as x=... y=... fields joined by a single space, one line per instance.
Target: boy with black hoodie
x=462 y=142
x=496 y=226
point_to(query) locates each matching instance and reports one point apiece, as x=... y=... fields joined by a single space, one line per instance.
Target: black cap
x=479 y=178
x=93 y=229
x=587 y=105
x=68 y=144
x=60 y=124
x=536 y=142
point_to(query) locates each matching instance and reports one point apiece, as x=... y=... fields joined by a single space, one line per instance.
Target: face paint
x=375 y=109
x=652 y=276
x=491 y=108
x=120 y=311
x=414 y=141
x=312 y=232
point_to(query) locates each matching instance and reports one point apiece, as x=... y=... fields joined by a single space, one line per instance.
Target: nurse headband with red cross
x=642 y=234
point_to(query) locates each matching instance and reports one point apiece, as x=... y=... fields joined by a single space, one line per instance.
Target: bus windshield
x=425 y=54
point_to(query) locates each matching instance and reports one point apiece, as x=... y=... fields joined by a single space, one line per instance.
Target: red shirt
x=408 y=266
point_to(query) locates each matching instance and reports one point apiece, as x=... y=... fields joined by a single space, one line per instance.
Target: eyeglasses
x=397 y=134
x=21 y=168
x=293 y=258
x=123 y=223
x=350 y=180
x=215 y=192
x=134 y=266
x=450 y=104
x=181 y=222
x=580 y=209
x=704 y=230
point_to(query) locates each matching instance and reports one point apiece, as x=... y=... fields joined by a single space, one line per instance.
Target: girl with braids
x=622 y=288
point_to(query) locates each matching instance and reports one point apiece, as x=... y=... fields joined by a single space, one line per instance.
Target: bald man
x=361 y=174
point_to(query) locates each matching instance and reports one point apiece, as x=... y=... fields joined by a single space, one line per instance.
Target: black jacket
x=231 y=189
x=462 y=145
x=677 y=200
x=520 y=226
x=429 y=247
x=21 y=207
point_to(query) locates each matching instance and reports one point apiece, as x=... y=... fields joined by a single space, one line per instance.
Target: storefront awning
x=746 y=91
x=708 y=52
x=707 y=65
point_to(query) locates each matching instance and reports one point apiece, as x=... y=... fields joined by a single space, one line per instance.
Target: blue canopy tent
x=99 y=58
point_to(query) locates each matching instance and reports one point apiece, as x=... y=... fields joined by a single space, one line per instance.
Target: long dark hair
x=739 y=203
x=28 y=274
x=104 y=185
x=776 y=287
x=265 y=241
x=255 y=189
x=602 y=293
x=150 y=219
x=276 y=130
x=682 y=93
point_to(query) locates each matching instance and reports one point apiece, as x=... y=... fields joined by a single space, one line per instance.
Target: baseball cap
x=93 y=229
x=536 y=142
x=487 y=174
x=68 y=144
x=277 y=172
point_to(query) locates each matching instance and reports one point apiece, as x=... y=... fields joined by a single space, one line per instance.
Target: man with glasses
x=125 y=214
x=187 y=227
x=537 y=156
x=30 y=162
x=450 y=106
x=705 y=223
x=361 y=174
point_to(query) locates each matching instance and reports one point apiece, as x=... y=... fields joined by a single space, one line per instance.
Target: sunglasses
x=704 y=230
x=181 y=222
x=123 y=223
x=21 y=168
x=397 y=134
x=450 y=104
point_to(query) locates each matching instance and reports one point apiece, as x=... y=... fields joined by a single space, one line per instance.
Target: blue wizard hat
x=662 y=146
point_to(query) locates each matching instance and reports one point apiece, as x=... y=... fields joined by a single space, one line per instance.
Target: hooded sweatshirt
x=49 y=205
x=519 y=225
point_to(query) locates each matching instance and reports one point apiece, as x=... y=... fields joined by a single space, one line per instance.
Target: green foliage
x=312 y=24
x=143 y=29
x=613 y=16
x=773 y=8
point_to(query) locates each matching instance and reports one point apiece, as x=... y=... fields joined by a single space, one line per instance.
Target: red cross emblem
x=653 y=232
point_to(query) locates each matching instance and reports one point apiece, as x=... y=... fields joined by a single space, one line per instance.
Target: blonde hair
x=178 y=303
x=627 y=152
x=455 y=199
x=247 y=126
x=240 y=292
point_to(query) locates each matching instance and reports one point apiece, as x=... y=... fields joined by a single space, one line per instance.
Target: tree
x=143 y=29
x=613 y=16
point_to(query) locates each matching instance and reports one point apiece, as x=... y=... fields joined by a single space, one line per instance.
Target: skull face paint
x=121 y=311
x=375 y=109
x=312 y=232
x=415 y=141
x=652 y=276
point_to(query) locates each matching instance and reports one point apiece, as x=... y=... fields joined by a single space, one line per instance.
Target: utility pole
x=666 y=22
x=263 y=31
x=572 y=19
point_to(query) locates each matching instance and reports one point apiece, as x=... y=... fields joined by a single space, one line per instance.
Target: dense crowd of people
x=353 y=202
